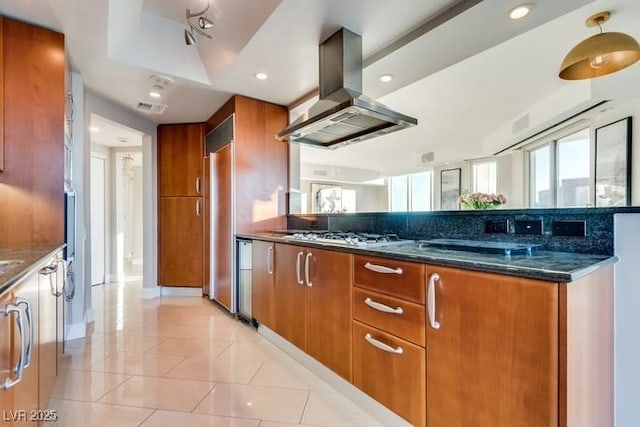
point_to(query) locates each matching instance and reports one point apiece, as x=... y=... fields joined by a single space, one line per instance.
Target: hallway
x=181 y=361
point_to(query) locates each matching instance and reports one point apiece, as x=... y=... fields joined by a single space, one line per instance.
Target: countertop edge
x=27 y=270
x=519 y=271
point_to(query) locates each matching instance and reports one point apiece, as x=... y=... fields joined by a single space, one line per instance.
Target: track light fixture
x=203 y=23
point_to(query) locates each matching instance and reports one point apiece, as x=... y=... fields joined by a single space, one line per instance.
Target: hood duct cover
x=343 y=115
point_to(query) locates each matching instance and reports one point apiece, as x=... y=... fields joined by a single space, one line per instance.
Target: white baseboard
x=170 y=291
x=75 y=331
x=151 y=293
x=368 y=404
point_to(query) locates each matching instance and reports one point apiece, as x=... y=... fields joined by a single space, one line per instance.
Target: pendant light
x=601 y=54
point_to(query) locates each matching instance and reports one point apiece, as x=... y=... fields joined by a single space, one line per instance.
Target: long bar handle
x=197 y=207
x=270 y=260
x=382 y=269
x=431 y=300
x=307 y=269
x=299 y=267
x=21 y=301
x=382 y=307
x=198 y=185
x=382 y=346
x=19 y=369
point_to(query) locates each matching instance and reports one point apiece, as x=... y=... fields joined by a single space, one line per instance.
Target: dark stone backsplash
x=471 y=225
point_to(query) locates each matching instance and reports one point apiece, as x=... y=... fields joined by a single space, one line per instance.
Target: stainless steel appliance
x=243 y=250
x=356 y=239
x=343 y=115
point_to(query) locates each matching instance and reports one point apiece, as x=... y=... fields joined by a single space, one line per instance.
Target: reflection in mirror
x=502 y=117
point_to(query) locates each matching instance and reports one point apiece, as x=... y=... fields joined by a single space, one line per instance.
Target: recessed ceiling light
x=155 y=94
x=156 y=91
x=520 y=12
x=261 y=76
x=385 y=78
x=94 y=129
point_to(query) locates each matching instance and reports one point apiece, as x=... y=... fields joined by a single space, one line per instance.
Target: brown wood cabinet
x=1 y=94
x=180 y=205
x=33 y=66
x=263 y=293
x=390 y=276
x=180 y=241
x=23 y=397
x=313 y=304
x=391 y=370
x=291 y=315
x=180 y=153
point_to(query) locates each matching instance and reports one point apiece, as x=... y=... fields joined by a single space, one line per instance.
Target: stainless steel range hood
x=343 y=115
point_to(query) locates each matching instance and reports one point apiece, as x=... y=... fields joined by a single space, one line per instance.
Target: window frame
x=410 y=190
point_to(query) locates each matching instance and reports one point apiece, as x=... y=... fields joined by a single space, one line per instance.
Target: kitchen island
x=444 y=337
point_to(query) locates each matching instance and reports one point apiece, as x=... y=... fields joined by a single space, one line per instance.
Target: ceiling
x=453 y=76
x=109 y=134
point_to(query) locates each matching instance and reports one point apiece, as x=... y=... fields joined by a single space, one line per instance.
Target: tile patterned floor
x=182 y=361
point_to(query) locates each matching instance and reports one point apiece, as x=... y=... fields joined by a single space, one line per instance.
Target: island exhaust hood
x=343 y=115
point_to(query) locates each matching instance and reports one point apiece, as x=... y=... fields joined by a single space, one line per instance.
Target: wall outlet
x=496 y=226
x=569 y=228
x=529 y=227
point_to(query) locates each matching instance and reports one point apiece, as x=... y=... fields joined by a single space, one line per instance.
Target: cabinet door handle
x=197 y=185
x=431 y=300
x=382 y=346
x=19 y=369
x=48 y=270
x=270 y=260
x=382 y=269
x=381 y=307
x=298 y=268
x=198 y=207
x=21 y=301
x=307 y=269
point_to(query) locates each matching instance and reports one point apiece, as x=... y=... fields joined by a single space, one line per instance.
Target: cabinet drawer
x=394 y=377
x=407 y=321
x=397 y=278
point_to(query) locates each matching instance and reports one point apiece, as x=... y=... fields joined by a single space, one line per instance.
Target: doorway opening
x=116 y=203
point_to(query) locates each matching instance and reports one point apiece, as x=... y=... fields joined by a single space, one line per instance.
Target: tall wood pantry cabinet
x=245 y=184
x=180 y=205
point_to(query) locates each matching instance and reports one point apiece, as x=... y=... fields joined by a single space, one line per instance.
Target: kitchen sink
x=7 y=264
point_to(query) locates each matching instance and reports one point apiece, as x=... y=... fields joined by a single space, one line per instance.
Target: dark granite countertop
x=551 y=266
x=31 y=258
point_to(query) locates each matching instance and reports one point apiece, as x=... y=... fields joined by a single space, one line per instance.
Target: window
x=560 y=172
x=484 y=177
x=411 y=192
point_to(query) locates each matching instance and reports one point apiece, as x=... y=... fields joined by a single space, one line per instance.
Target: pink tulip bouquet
x=474 y=201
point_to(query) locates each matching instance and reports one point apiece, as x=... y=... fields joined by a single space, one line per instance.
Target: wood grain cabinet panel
x=291 y=319
x=180 y=153
x=402 y=318
x=180 y=241
x=494 y=359
x=329 y=309
x=388 y=276
x=263 y=284
x=394 y=375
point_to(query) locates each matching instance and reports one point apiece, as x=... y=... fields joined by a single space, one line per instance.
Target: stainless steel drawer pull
x=298 y=268
x=48 y=270
x=382 y=269
x=381 y=307
x=382 y=346
x=198 y=207
x=197 y=185
x=307 y=269
x=32 y=330
x=270 y=260
x=431 y=300
x=19 y=369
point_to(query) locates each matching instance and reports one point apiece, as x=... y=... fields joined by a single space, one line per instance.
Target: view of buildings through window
x=560 y=172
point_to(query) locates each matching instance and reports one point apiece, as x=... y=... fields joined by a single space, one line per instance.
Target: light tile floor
x=183 y=361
